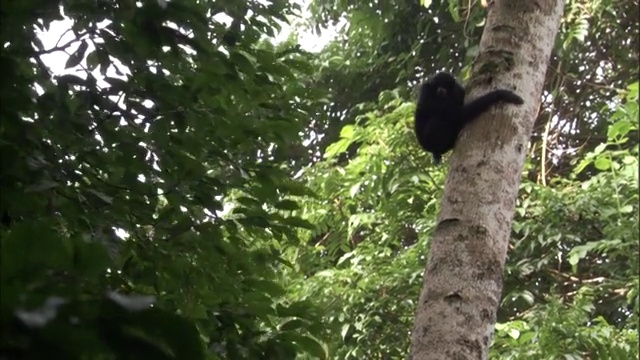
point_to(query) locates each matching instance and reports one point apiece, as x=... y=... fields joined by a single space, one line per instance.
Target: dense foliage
x=188 y=188
x=170 y=116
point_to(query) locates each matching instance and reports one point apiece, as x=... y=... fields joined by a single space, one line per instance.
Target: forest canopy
x=205 y=180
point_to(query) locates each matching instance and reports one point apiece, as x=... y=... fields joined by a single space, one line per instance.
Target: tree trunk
x=463 y=277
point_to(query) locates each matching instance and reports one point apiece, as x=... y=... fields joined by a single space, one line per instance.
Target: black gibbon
x=441 y=113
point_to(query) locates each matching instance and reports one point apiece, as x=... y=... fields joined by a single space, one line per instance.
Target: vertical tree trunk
x=463 y=277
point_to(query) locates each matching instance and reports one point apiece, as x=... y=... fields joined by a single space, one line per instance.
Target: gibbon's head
x=443 y=90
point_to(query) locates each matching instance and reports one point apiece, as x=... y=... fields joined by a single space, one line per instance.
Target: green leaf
x=244 y=61
x=40 y=317
x=453 y=10
x=287 y=205
x=30 y=247
x=93 y=60
x=91 y=257
x=346 y=330
x=106 y=199
x=75 y=58
x=627 y=209
x=619 y=129
x=599 y=149
x=291 y=325
x=336 y=148
x=354 y=189
x=602 y=163
x=42 y=186
x=177 y=333
x=580 y=251
x=527 y=337
x=528 y=297
x=266 y=286
x=131 y=302
x=514 y=333
x=310 y=345
x=298 y=309
x=299 y=222
x=347 y=132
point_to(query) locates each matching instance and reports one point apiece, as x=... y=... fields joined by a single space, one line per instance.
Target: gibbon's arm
x=478 y=106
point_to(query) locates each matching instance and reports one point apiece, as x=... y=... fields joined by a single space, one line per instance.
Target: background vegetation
x=190 y=188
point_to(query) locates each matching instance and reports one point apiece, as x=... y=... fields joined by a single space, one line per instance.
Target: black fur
x=441 y=113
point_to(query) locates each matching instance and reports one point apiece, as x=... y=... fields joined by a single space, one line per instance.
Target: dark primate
x=441 y=113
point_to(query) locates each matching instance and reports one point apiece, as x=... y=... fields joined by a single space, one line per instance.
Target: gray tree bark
x=462 y=287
